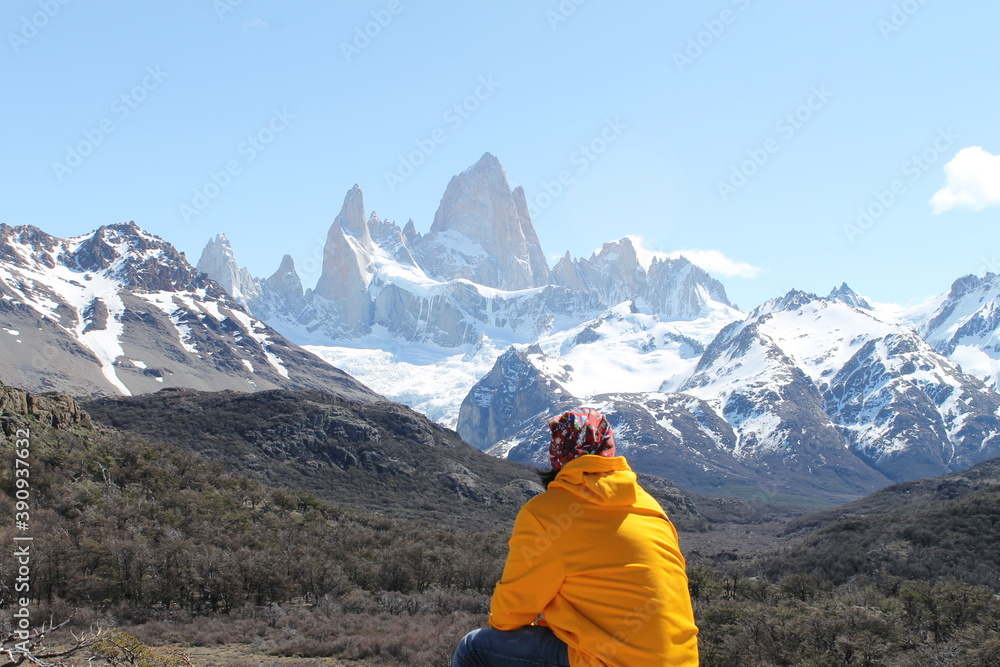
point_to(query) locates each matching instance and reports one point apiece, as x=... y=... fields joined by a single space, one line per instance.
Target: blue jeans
x=524 y=647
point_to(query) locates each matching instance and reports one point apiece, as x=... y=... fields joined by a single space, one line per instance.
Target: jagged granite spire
x=352 y=216
x=285 y=281
x=482 y=232
x=219 y=262
x=672 y=287
x=347 y=265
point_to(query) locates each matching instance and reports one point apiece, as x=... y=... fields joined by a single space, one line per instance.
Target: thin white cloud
x=972 y=180
x=716 y=263
x=712 y=261
x=256 y=23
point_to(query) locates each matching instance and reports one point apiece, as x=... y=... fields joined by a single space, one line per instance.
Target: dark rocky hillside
x=127 y=531
x=905 y=577
x=943 y=528
x=375 y=456
x=378 y=456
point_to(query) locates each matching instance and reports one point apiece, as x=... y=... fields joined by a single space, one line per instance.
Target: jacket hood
x=600 y=480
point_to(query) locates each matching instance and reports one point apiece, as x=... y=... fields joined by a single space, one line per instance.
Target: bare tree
x=17 y=650
x=112 y=648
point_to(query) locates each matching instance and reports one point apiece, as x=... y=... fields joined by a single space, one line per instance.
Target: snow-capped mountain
x=830 y=397
x=815 y=396
x=910 y=412
x=849 y=296
x=482 y=233
x=672 y=288
x=964 y=325
x=120 y=311
x=671 y=435
x=898 y=405
x=479 y=271
x=475 y=284
x=218 y=261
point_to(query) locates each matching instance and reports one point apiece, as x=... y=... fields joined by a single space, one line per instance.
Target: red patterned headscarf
x=579 y=432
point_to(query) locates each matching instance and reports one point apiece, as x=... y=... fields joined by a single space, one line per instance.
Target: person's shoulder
x=547 y=501
x=644 y=500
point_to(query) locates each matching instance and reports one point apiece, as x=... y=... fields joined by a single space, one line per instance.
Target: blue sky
x=754 y=130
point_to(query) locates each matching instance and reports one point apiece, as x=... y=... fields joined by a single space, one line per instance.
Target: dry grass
x=244 y=655
x=391 y=630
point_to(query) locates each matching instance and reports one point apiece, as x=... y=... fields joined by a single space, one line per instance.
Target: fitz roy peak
x=482 y=232
x=825 y=398
x=479 y=271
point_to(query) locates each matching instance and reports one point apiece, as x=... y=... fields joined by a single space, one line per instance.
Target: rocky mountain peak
x=106 y=244
x=482 y=232
x=218 y=262
x=968 y=318
x=281 y=293
x=792 y=300
x=140 y=260
x=846 y=295
x=621 y=251
x=16 y=242
x=678 y=288
x=670 y=286
x=348 y=267
x=285 y=280
x=387 y=235
x=410 y=232
x=568 y=273
x=218 y=244
x=966 y=284
x=514 y=391
x=127 y=313
x=286 y=267
x=352 y=216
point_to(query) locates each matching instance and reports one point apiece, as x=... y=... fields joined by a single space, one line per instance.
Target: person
x=594 y=576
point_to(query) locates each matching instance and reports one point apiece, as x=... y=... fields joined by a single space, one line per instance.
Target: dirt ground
x=243 y=655
x=742 y=539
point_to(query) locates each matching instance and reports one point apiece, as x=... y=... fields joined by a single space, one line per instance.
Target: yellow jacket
x=597 y=558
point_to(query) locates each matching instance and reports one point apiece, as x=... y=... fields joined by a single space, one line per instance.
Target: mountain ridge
x=803 y=386
x=120 y=310
x=940 y=420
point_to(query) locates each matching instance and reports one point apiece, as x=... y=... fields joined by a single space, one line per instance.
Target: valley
x=190 y=549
